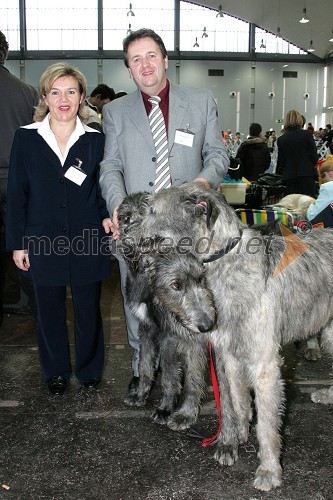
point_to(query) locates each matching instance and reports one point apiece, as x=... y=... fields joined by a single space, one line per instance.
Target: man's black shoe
x=57 y=385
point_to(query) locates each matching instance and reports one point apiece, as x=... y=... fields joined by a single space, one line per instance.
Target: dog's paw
x=312 y=353
x=323 y=396
x=226 y=454
x=161 y=416
x=181 y=421
x=267 y=479
x=135 y=400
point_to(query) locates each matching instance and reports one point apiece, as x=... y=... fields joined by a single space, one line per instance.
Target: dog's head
x=131 y=212
x=179 y=287
x=133 y=209
x=192 y=217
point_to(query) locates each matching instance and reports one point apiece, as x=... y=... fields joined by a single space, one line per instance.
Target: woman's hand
x=110 y=227
x=21 y=259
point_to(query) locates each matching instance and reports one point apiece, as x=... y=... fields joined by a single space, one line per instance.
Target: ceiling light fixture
x=130 y=13
x=305 y=18
x=204 y=34
x=129 y=31
x=262 y=46
x=278 y=32
x=311 y=48
x=220 y=13
x=196 y=42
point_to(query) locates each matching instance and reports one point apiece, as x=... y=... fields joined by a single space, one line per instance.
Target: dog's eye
x=127 y=219
x=175 y=285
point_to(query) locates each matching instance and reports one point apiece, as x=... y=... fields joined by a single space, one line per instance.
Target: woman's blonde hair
x=293 y=119
x=50 y=75
x=327 y=166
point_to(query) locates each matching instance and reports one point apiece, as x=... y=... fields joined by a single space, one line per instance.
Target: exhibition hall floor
x=90 y=445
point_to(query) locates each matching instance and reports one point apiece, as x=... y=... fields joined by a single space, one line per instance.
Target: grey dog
x=264 y=290
x=168 y=294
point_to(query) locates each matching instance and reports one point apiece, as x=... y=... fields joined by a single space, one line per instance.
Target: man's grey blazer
x=128 y=165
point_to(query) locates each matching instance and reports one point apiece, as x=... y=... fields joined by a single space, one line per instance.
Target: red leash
x=215 y=384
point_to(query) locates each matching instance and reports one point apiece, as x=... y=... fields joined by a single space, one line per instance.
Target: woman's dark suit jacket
x=297 y=154
x=58 y=221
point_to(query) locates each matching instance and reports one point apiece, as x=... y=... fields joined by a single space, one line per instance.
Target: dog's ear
x=208 y=207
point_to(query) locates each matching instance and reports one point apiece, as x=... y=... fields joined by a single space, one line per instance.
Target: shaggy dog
x=168 y=294
x=254 y=279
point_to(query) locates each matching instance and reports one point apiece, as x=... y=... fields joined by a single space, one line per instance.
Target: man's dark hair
x=255 y=129
x=104 y=91
x=329 y=126
x=142 y=33
x=4 y=47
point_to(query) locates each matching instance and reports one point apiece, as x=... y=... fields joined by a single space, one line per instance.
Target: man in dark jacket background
x=17 y=101
x=254 y=154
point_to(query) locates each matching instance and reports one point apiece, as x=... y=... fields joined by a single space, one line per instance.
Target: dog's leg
x=312 y=349
x=227 y=441
x=268 y=388
x=325 y=396
x=241 y=396
x=195 y=358
x=148 y=354
x=170 y=379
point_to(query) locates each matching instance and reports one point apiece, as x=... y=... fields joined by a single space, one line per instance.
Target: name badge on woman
x=75 y=173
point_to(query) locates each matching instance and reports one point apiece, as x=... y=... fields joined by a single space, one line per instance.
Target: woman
x=55 y=219
x=297 y=156
x=320 y=212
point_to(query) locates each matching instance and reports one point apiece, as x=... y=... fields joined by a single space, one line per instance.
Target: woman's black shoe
x=92 y=384
x=57 y=385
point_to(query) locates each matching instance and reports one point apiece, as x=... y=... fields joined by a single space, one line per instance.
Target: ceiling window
x=267 y=42
x=10 y=22
x=203 y=30
x=61 y=25
x=121 y=17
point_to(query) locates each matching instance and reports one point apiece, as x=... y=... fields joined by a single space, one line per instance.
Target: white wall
x=235 y=113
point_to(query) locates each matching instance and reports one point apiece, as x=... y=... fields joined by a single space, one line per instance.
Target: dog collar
x=224 y=251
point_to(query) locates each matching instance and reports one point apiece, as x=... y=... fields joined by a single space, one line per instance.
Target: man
x=195 y=148
x=254 y=154
x=17 y=101
x=100 y=96
x=328 y=136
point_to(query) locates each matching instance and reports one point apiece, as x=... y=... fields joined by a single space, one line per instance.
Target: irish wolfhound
x=168 y=294
x=265 y=288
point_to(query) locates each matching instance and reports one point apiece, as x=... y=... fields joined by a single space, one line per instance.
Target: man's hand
x=204 y=183
x=21 y=259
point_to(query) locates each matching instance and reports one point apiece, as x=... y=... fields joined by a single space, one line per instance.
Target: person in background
x=328 y=134
x=17 y=101
x=254 y=154
x=54 y=225
x=321 y=211
x=100 y=96
x=297 y=156
x=271 y=140
x=194 y=149
x=237 y=139
x=311 y=128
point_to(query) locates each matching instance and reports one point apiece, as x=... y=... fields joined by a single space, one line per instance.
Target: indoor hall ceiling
x=269 y=14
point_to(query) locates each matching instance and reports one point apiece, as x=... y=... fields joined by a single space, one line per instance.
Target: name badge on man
x=75 y=173
x=184 y=137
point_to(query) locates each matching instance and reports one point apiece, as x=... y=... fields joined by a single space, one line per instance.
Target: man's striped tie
x=157 y=125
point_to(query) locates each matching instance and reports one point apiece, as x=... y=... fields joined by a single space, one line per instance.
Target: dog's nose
x=206 y=324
